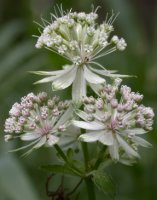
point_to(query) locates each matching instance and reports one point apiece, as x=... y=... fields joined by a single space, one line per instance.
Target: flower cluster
x=116 y=119
x=38 y=118
x=79 y=38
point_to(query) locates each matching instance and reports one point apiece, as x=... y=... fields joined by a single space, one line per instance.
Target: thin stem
x=98 y=64
x=64 y=157
x=104 y=54
x=49 y=193
x=61 y=153
x=75 y=188
x=57 y=53
x=101 y=154
x=90 y=189
x=85 y=154
x=88 y=181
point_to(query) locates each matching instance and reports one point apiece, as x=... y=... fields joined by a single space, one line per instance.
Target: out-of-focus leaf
x=14 y=182
x=60 y=169
x=9 y=34
x=14 y=57
x=104 y=182
x=34 y=64
x=152 y=52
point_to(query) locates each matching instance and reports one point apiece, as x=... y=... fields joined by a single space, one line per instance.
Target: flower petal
x=83 y=115
x=91 y=137
x=96 y=87
x=108 y=73
x=41 y=142
x=65 y=117
x=135 y=131
x=30 y=136
x=48 y=73
x=128 y=149
x=52 y=140
x=79 y=86
x=89 y=125
x=102 y=72
x=106 y=138
x=114 y=150
x=141 y=142
x=127 y=161
x=92 y=77
x=46 y=80
x=65 y=80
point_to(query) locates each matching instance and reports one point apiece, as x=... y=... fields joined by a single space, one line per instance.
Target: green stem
x=61 y=153
x=64 y=157
x=85 y=154
x=88 y=181
x=101 y=155
x=90 y=189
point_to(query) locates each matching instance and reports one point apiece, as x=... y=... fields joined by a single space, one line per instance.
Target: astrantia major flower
x=80 y=39
x=115 y=119
x=39 y=119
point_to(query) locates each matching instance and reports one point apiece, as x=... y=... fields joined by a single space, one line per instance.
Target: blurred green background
x=21 y=178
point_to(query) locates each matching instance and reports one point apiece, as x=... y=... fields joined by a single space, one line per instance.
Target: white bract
x=116 y=120
x=81 y=40
x=39 y=119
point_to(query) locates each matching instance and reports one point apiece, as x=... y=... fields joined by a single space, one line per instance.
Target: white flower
x=116 y=121
x=39 y=119
x=78 y=38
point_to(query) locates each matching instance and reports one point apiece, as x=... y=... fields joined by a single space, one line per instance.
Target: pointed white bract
x=38 y=118
x=79 y=38
x=116 y=120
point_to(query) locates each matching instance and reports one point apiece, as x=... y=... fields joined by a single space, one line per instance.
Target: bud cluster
x=128 y=112
x=37 y=117
x=115 y=119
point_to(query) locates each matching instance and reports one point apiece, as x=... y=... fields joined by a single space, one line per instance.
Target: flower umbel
x=78 y=38
x=39 y=119
x=116 y=122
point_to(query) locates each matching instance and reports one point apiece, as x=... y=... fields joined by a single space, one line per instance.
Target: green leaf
x=104 y=182
x=79 y=165
x=59 y=169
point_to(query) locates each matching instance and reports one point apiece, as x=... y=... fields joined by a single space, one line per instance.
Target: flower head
x=77 y=35
x=79 y=38
x=115 y=119
x=39 y=119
